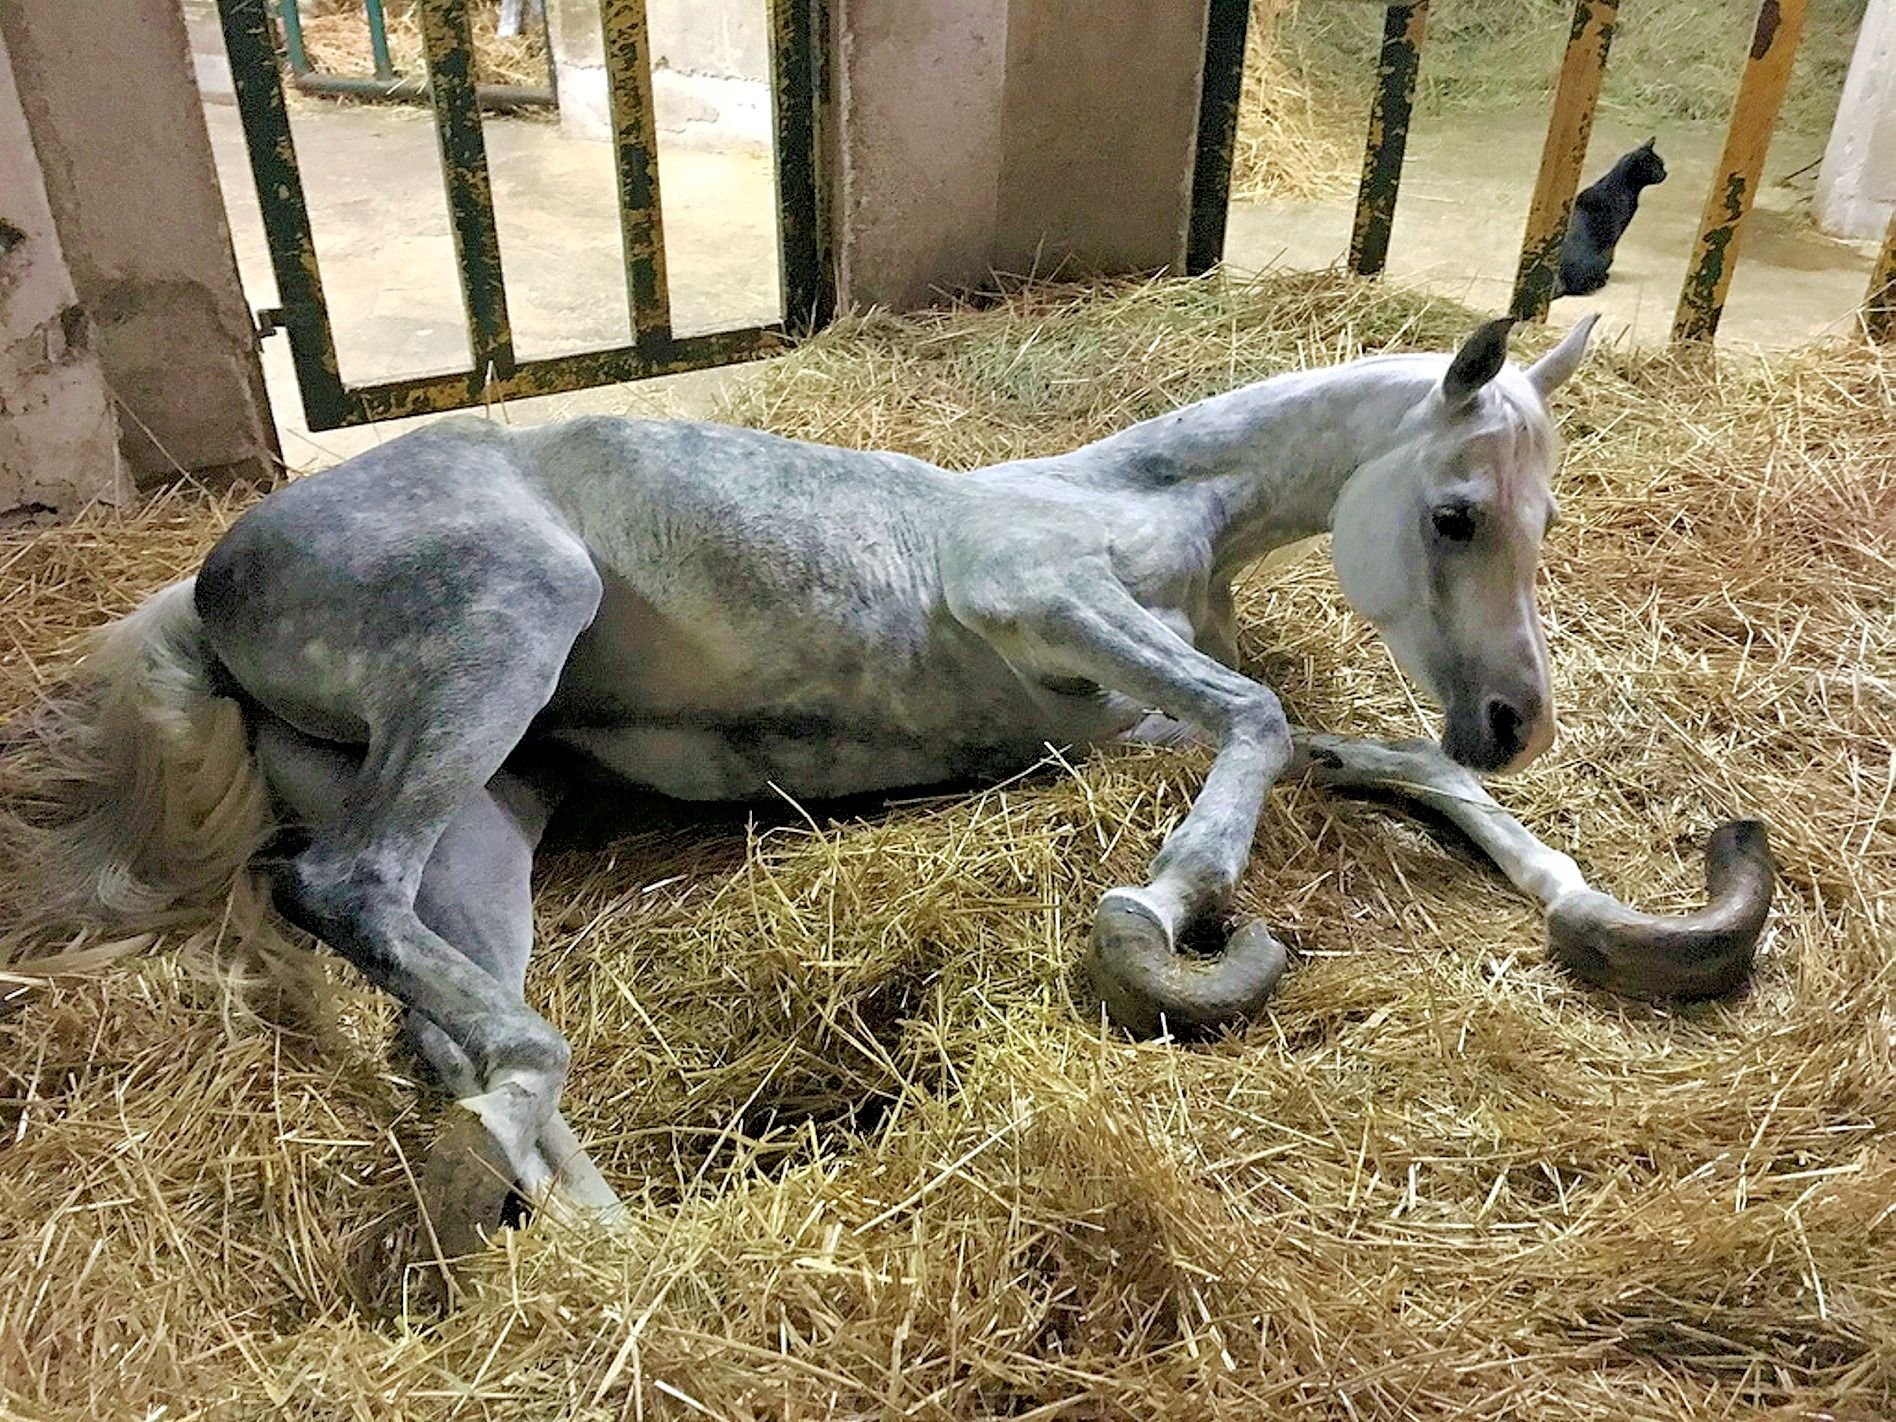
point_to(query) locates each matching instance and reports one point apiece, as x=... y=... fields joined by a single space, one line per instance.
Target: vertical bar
x=634 y=142
x=1735 y=183
x=1879 y=306
x=1568 y=129
x=1226 y=22
x=1388 y=135
x=546 y=45
x=250 y=43
x=449 y=45
x=796 y=60
x=293 y=37
x=378 y=38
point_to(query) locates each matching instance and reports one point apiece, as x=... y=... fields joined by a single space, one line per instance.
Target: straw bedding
x=885 y=1163
x=336 y=38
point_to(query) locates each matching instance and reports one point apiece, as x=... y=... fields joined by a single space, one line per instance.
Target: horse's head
x=1437 y=541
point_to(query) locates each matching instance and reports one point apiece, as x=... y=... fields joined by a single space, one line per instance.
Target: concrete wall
x=58 y=437
x=116 y=122
x=1856 y=183
x=710 y=71
x=1009 y=136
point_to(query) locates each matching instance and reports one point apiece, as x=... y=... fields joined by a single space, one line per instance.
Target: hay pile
x=1294 y=136
x=1310 y=71
x=883 y=1162
x=336 y=37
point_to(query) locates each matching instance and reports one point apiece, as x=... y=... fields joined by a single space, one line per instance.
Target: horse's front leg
x=1594 y=935
x=1090 y=627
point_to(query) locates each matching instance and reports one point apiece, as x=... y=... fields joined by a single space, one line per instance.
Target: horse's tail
x=129 y=800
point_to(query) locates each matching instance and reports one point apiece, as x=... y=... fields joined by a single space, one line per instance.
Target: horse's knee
x=1259 y=718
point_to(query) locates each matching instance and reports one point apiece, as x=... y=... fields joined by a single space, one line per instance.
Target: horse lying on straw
x=712 y=612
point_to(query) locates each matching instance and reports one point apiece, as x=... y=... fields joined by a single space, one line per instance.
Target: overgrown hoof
x=1700 y=955
x=1149 y=987
x=467 y=1188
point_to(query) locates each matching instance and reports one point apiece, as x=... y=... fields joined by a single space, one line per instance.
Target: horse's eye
x=1455 y=522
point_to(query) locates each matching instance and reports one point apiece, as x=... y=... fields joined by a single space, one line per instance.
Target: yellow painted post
x=1403 y=25
x=1879 y=307
x=1568 y=129
x=1735 y=183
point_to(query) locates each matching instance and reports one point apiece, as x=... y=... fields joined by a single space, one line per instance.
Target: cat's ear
x=1647 y=145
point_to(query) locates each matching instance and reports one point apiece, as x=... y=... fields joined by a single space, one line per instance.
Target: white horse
x=373 y=655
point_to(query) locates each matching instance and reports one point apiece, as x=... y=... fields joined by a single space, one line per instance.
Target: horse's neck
x=1240 y=474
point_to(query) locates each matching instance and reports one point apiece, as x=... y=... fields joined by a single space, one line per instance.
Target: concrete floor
x=382 y=237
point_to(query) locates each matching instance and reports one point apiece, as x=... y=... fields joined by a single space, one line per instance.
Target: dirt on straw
x=336 y=37
x=881 y=1157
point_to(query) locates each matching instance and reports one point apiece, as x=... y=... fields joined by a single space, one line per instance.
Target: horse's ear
x=1478 y=361
x=1551 y=370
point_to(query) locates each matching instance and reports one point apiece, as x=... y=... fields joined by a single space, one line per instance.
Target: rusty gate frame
x=797 y=34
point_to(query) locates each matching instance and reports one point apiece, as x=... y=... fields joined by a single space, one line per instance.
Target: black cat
x=1600 y=216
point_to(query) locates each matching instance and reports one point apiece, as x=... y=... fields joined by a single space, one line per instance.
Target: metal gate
x=1760 y=91
x=495 y=373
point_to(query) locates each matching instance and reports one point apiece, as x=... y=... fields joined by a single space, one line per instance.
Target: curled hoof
x=467 y=1187
x=1148 y=987
x=1700 y=955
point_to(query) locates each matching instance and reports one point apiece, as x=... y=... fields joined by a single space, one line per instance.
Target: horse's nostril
x=1507 y=726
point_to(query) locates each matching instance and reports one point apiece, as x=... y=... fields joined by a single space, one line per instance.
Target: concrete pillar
x=116 y=120
x=1856 y=183
x=1098 y=133
x=58 y=439
x=1011 y=136
x=579 y=67
x=916 y=170
x=710 y=71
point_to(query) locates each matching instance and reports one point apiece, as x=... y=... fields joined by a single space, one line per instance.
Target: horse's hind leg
x=476 y=893
x=441 y=646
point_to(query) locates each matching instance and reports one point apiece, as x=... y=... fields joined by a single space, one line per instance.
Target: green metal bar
x=457 y=390
x=1568 y=128
x=635 y=146
x=1879 y=304
x=546 y=46
x=378 y=38
x=1225 y=24
x=1396 y=70
x=449 y=44
x=1735 y=183
x=250 y=41
x=293 y=37
x=797 y=96
x=806 y=271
